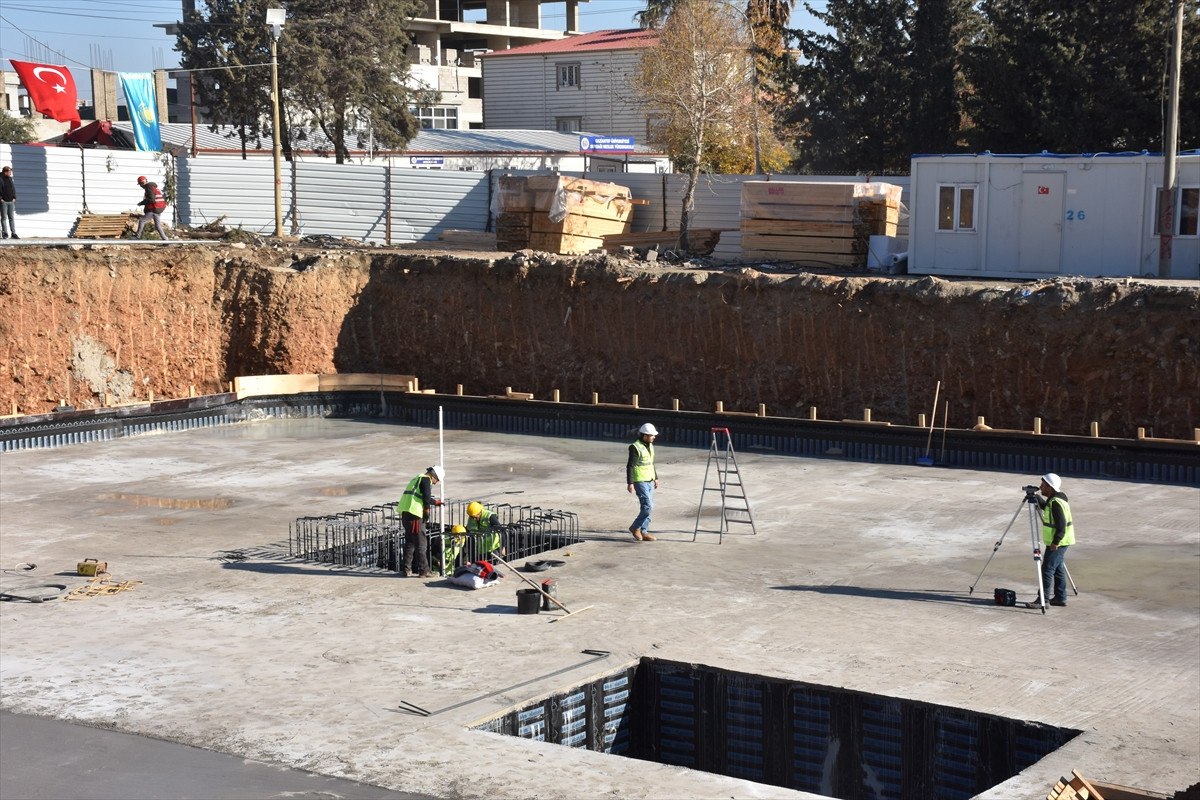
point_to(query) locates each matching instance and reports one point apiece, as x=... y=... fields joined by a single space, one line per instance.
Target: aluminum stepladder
x=735 y=506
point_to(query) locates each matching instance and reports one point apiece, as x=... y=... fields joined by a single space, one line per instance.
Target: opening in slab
x=835 y=742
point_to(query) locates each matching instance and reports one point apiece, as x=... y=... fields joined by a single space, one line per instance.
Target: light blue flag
x=143 y=110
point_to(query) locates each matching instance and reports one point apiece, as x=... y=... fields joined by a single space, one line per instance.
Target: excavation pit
x=833 y=742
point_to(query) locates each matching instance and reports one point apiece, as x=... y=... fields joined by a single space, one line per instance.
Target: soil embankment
x=82 y=323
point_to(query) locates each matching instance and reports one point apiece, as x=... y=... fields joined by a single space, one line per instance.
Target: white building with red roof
x=580 y=83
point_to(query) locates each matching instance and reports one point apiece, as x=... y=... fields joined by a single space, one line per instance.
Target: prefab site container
x=1040 y=215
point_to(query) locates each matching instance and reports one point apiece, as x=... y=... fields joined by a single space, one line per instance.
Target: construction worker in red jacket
x=153 y=204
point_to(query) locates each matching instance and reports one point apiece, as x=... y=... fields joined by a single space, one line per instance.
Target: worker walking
x=485 y=525
x=641 y=479
x=414 y=507
x=1058 y=533
x=153 y=203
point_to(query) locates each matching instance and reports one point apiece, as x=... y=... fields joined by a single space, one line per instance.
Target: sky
x=119 y=35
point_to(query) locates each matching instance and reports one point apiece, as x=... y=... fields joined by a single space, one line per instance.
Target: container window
x=1187 y=212
x=956 y=208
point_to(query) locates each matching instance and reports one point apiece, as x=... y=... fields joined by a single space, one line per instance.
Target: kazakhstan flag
x=139 y=99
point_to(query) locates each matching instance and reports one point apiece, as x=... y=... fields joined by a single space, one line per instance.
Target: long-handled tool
x=545 y=594
x=925 y=460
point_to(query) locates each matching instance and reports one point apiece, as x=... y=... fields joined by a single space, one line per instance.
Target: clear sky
x=120 y=35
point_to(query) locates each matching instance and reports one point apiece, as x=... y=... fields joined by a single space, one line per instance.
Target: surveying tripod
x=1030 y=503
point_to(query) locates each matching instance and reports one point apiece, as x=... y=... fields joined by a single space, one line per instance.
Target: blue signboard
x=606 y=144
x=426 y=161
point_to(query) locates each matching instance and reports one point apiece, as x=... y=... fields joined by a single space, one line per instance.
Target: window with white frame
x=568 y=75
x=956 y=207
x=568 y=124
x=436 y=116
x=1187 y=212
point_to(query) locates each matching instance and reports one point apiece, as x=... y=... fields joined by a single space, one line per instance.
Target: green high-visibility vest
x=1048 y=523
x=490 y=541
x=412 y=501
x=643 y=462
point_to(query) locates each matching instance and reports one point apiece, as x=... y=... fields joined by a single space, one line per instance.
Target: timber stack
x=816 y=224
x=558 y=214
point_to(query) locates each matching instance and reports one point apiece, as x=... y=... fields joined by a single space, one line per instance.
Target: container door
x=1040 y=240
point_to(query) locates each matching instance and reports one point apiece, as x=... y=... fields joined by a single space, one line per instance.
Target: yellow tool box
x=91 y=567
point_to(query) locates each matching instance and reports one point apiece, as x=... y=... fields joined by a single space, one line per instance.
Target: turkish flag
x=51 y=88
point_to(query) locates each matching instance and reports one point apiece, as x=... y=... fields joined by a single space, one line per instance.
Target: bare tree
x=696 y=84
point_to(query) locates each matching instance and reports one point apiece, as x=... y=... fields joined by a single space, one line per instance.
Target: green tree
x=941 y=31
x=347 y=62
x=696 y=84
x=1078 y=77
x=852 y=106
x=14 y=130
x=229 y=40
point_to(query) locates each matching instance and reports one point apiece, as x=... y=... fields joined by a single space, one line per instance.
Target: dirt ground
x=116 y=323
x=857 y=578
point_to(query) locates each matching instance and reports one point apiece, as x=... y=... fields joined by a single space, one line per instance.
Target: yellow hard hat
x=474 y=508
x=458 y=529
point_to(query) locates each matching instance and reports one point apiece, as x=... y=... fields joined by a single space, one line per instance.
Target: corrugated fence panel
x=50 y=185
x=344 y=200
x=110 y=180
x=426 y=202
x=241 y=190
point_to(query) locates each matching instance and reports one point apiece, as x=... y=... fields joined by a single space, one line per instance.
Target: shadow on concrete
x=922 y=595
x=276 y=568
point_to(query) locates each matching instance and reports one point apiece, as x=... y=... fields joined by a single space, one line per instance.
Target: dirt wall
x=80 y=323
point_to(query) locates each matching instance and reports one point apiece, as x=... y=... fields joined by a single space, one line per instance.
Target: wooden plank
x=798 y=227
x=258 y=385
x=359 y=381
x=1114 y=791
x=701 y=240
x=800 y=193
x=477 y=239
x=580 y=225
x=803 y=244
x=563 y=243
x=802 y=213
x=826 y=260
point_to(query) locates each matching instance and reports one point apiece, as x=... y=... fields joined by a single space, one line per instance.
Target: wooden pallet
x=701 y=240
x=103 y=226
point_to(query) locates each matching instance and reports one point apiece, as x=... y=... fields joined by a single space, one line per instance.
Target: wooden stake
x=1141 y=434
x=675 y=404
x=1037 y=425
x=1095 y=430
x=933 y=418
x=556 y=395
x=812 y=412
x=720 y=406
x=921 y=420
x=634 y=402
x=866 y=415
x=595 y=398
x=762 y=409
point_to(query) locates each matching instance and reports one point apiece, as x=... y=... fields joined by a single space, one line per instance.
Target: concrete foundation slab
x=858 y=578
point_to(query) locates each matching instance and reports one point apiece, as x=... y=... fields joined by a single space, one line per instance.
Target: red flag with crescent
x=51 y=88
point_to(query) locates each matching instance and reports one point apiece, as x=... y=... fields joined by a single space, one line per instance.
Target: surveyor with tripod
x=1058 y=533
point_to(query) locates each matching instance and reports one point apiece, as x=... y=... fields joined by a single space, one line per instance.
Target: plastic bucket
x=529 y=601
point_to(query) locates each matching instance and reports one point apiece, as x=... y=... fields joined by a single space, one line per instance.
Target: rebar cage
x=372 y=537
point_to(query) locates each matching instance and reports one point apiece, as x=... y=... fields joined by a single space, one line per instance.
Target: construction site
x=218 y=433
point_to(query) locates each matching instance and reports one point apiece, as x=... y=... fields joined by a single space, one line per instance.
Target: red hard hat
x=141 y=179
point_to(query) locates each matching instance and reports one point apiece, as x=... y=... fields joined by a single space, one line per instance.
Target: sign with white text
x=606 y=144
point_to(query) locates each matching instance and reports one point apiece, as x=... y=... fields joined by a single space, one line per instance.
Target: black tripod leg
x=994 y=549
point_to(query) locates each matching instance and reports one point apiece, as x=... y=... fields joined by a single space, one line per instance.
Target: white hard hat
x=1053 y=481
x=436 y=470
x=648 y=429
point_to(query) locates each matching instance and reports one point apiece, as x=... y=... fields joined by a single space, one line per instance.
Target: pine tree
x=941 y=30
x=231 y=44
x=853 y=88
x=1065 y=76
x=348 y=62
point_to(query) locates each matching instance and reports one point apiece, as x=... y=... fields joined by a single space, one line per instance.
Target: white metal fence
x=382 y=204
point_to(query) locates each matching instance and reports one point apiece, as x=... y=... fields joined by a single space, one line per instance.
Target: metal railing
x=372 y=537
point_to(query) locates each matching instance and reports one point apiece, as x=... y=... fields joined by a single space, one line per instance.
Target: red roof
x=630 y=39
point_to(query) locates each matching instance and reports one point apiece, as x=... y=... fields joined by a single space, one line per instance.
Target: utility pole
x=1166 y=195
x=275 y=19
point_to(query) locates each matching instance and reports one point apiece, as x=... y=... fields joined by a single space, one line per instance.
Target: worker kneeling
x=484 y=528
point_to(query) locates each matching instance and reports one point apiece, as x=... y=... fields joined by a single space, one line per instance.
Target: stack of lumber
x=701 y=241
x=557 y=214
x=102 y=226
x=816 y=224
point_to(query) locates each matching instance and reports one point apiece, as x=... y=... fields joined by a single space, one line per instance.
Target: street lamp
x=275 y=19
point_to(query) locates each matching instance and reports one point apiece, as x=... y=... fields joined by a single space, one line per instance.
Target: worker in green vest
x=414 y=507
x=1058 y=533
x=452 y=547
x=641 y=479
x=485 y=527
